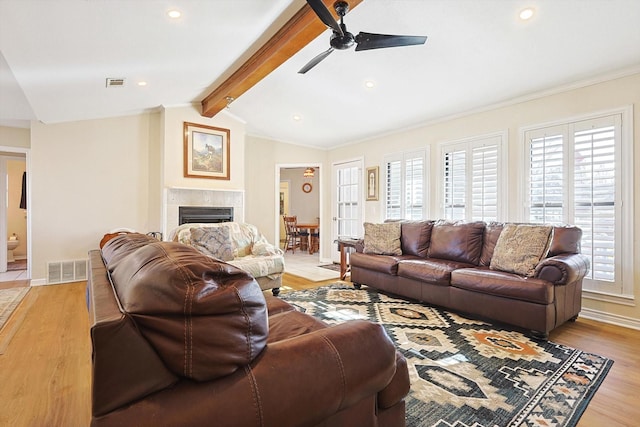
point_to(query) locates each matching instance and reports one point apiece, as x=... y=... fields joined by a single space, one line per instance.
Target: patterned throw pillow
x=520 y=248
x=213 y=241
x=382 y=239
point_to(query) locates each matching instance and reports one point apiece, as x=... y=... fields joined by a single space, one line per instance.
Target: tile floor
x=11 y=276
x=304 y=265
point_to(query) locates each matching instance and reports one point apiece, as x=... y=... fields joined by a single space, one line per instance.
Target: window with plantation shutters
x=575 y=176
x=472 y=178
x=455 y=184
x=405 y=184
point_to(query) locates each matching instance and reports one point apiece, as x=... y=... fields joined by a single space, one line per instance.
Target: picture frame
x=372 y=183
x=206 y=151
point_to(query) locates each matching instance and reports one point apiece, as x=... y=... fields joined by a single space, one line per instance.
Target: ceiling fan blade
x=325 y=16
x=366 y=41
x=315 y=61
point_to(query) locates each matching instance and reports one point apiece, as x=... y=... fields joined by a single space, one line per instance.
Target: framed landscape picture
x=206 y=151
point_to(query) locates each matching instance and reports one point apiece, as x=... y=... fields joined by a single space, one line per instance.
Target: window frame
x=621 y=291
x=468 y=144
x=403 y=157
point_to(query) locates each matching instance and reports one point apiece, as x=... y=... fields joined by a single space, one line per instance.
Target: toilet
x=11 y=245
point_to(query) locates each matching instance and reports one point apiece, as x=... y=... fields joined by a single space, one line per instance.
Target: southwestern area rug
x=468 y=372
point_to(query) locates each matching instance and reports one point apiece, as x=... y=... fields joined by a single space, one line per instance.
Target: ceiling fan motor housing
x=341 y=42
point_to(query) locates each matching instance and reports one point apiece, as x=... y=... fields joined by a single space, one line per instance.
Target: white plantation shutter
x=472 y=178
x=546 y=178
x=393 y=188
x=455 y=182
x=405 y=185
x=575 y=177
x=414 y=188
x=594 y=198
x=484 y=183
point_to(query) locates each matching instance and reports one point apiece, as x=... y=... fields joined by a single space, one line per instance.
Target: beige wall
x=88 y=178
x=262 y=156
x=15 y=137
x=173 y=158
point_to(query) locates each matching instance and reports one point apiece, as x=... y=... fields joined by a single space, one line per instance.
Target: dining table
x=311 y=228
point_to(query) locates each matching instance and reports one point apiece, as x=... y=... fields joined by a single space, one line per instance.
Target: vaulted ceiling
x=55 y=57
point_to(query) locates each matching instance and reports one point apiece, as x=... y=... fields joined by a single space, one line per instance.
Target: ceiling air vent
x=111 y=82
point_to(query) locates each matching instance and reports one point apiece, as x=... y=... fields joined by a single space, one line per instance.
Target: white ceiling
x=56 y=55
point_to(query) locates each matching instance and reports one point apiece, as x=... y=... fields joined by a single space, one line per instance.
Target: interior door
x=347 y=202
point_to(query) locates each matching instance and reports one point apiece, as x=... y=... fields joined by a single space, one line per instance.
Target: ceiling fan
x=342 y=39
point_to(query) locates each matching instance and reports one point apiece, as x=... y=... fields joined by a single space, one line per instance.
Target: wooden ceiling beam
x=299 y=31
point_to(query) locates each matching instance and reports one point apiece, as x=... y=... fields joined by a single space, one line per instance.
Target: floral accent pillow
x=382 y=239
x=213 y=241
x=520 y=248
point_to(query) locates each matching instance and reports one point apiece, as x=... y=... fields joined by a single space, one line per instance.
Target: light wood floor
x=45 y=369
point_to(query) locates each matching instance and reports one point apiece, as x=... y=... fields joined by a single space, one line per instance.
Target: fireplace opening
x=204 y=214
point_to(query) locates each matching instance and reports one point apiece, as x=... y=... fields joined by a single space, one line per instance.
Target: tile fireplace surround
x=176 y=197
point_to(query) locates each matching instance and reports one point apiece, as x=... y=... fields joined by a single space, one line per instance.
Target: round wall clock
x=306 y=187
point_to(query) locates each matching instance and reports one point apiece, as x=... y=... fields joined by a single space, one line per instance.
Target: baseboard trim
x=613 y=319
x=39 y=282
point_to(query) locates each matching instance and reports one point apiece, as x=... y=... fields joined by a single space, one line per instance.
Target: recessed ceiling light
x=142 y=83
x=174 y=14
x=369 y=84
x=296 y=117
x=526 y=14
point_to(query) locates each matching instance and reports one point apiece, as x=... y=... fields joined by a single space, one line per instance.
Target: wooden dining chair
x=293 y=237
x=315 y=241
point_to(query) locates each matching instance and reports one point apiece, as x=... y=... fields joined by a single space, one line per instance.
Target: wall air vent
x=66 y=271
x=112 y=82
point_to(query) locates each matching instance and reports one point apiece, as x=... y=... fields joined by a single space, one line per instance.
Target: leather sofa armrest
x=299 y=381
x=563 y=269
x=303 y=380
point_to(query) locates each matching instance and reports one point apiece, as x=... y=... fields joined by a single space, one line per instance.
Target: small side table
x=343 y=244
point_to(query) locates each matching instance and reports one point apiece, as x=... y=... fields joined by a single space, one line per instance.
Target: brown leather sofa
x=449 y=265
x=180 y=339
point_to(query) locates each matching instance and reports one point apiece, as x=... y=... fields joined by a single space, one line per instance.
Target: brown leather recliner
x=180 y=339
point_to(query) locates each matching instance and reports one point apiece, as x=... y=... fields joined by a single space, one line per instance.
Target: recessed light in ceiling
x=296 y=117
x=526 y=14
x=174 y=14
x=142 y=83
x=369 y=84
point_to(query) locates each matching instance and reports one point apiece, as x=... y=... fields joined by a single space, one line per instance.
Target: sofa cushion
x=502 y=284
x=520 y=248
x=433 y=271
x=415 y=237
x=460 y=242
x=204 y=318
x=214 y=242
x=382 y=239
x=382 y=263
x=566 y=240
x=491 y=233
